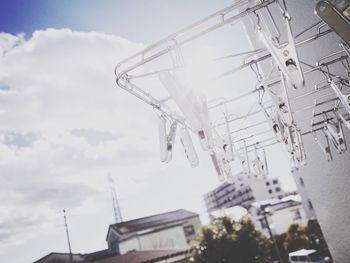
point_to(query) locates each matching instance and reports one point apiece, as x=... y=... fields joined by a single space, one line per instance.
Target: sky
x=66 y=126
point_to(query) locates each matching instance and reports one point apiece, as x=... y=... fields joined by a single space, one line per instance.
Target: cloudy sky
x=66 y=126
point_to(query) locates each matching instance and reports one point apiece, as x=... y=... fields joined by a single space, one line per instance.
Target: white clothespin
x=285 y=55
x=260 y=166
x=345 y=121
x=188 y=147
x=344 y=98
x=228 y=146
x=325 y=148
x=217 y=165
x=166 y=139
x=335 y=132
x=245 y=159
x=194 y=108
x=275 y=124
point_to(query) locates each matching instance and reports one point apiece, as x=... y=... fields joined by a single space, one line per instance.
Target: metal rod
x=309 y=93
x=148 y=74
x=318 y=129
x=241 y=54
x=152 y=102
x=252 y=136
x=261 y=142
x=308 y=28
x=322 y=112
x=346 y=48
x=220 y=14
x=321 y=122
x=250 y=126
x=329 y=55
x=236 y=98
x=313 y=68
x=255 y=61
x=244 y=116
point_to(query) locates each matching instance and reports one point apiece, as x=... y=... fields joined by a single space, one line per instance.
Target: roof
x=143 y=223
x=302 y=252
x=63 y=257
x=146 y=256
x=278 y=204
x=99 y=255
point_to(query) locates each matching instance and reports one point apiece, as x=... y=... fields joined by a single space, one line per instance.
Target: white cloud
x=64 y=125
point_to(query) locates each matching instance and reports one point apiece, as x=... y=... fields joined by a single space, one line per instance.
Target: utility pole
x=66 y=226
x=264 y=213
x=116 y=207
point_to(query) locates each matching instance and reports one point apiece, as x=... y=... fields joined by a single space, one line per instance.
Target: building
x=172 y=230
x=149 y=256
x=55 y=257
x=279 y=214
x=157 y=238
x=245 y=190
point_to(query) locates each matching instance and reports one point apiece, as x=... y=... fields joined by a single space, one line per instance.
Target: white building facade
x=280 y=214
x=172 y=230
x=246 y=189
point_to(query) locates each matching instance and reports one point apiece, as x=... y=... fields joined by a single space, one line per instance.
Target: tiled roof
x=277 y=204
x=147 y=256
x=152 y=221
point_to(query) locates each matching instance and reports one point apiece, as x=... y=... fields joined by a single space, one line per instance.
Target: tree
x=230 y=241
x=317 y=240
x=296 y=238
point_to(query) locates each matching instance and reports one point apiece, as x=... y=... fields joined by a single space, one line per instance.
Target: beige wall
x=326 y=183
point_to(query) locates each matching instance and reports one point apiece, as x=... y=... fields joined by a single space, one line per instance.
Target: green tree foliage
x=231 y=241
x=296 y=238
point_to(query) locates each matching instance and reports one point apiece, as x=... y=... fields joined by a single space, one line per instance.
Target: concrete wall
x=281 y=219
x=326 y=183
x=165 y=239
x=305 y=199
x=129 y=245
x=169 y=238
x=195 y=222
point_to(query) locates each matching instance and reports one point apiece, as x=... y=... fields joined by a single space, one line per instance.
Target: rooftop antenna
x=117 y=212
x=66 y=226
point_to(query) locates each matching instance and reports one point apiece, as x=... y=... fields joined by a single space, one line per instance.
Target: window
x=301 y=181
x=310 y=205
x=315 y=256
x=303 y=258
x=115 y=247
x=278 y=189
x=270 y=191
x=267 y=183
x=189 y=230
x=296 y=214
x=280 y=196
x=275 y=182
x=263 y=223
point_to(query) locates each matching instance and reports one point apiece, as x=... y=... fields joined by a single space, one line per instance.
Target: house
x=61 y=258
x=171 y=230
x=149 y=256
x=279 y=214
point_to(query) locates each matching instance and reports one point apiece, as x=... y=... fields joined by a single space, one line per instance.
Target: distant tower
x=66 y=226
x=116 y=207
